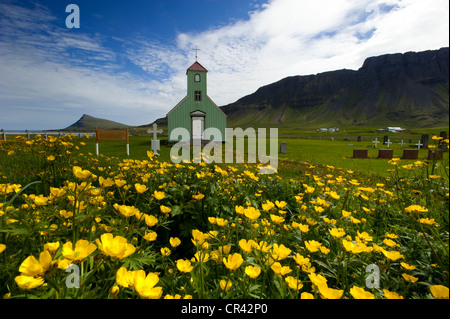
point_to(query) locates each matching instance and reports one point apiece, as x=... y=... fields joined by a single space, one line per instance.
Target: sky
x=127 y=60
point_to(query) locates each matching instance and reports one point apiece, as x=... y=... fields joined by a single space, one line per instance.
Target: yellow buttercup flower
x=360 y=293
x=78 y=172
x=280 y=252
x=427 y=221
x=221 y=222
x=83 y=249
x=159 y=195
x=32 y=267
x=28 y=282
x=105 y=182
x=120 y=182
x=125 y=278
x=333 y=194
x=407 y=267
x=409 y=278
x=293 y=283
x=415 y=209
x=116 y=247
x=201 y=256
x=345 y=213
x=2 y=248
x=392 y=255
x=145 y=285
x=225 y=285
x=281 y=204
x=239 y=210
x=125 y=210
x=303 y=228
x=306 y=295
x=300 y=260
x=150 y=220
x=184 y=265
x=150 y=236
x=164 y=209
x=279 y=269
x=252 y=271
x=252 y=213
x=391 y=295
x=439 y=292
x=140 y=188
x=356 y=248
x=276 y=219
x=198 y=237
x=247 y=246
x=321 y=283
x=263 y=246
x=233 y=262
x=267 y=206
x=312 y=245
x=198 y=196
x=174 y=241
x=337 y=232
x=308 y=189
x=330 y=293
x=390 y=243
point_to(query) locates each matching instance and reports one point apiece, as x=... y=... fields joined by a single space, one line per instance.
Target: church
x=196 y=111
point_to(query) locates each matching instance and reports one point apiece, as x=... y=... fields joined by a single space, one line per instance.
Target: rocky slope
x=410 y=89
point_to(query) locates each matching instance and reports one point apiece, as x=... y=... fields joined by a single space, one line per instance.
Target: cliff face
x=410 y=89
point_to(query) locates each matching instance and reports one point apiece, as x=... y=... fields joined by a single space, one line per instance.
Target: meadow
x=74 y=225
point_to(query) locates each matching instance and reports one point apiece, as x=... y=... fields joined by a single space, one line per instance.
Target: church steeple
x=196 y=78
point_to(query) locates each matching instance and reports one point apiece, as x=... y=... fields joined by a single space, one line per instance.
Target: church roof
x=197 y=67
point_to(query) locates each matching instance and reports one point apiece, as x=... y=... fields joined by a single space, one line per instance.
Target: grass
x=336 y=153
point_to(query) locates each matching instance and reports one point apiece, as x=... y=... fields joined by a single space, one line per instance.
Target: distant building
x=333 y=129
x=393 y=129
x=330 y=130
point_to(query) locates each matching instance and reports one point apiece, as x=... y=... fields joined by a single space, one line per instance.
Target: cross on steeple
x=196 y=52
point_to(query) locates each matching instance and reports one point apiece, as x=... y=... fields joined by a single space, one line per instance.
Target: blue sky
x=128 y=59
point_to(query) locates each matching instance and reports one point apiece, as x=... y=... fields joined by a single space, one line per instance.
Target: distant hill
x=410 y=89
x=87 y=122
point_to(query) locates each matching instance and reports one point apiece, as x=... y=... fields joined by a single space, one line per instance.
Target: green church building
x=196 y=112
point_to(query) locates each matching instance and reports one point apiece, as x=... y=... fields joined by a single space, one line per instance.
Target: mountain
x=410 y=89
x=87 y=122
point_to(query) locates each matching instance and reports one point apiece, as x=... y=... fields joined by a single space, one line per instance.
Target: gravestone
x=359 y=153
x=424 y=140
x=435 y=154
x=283 y=147
x=358 y=139
x=156 y=145
x=388 y=143
x=385 y=139
x=410 y=154
x=388 y=153
x=376 y=142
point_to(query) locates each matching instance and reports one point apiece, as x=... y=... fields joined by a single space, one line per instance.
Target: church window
x=197 y=95
x=197 y=77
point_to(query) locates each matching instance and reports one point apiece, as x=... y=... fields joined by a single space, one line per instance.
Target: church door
x=198 y=126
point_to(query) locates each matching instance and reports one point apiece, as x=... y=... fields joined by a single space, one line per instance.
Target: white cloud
x=50 y=71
